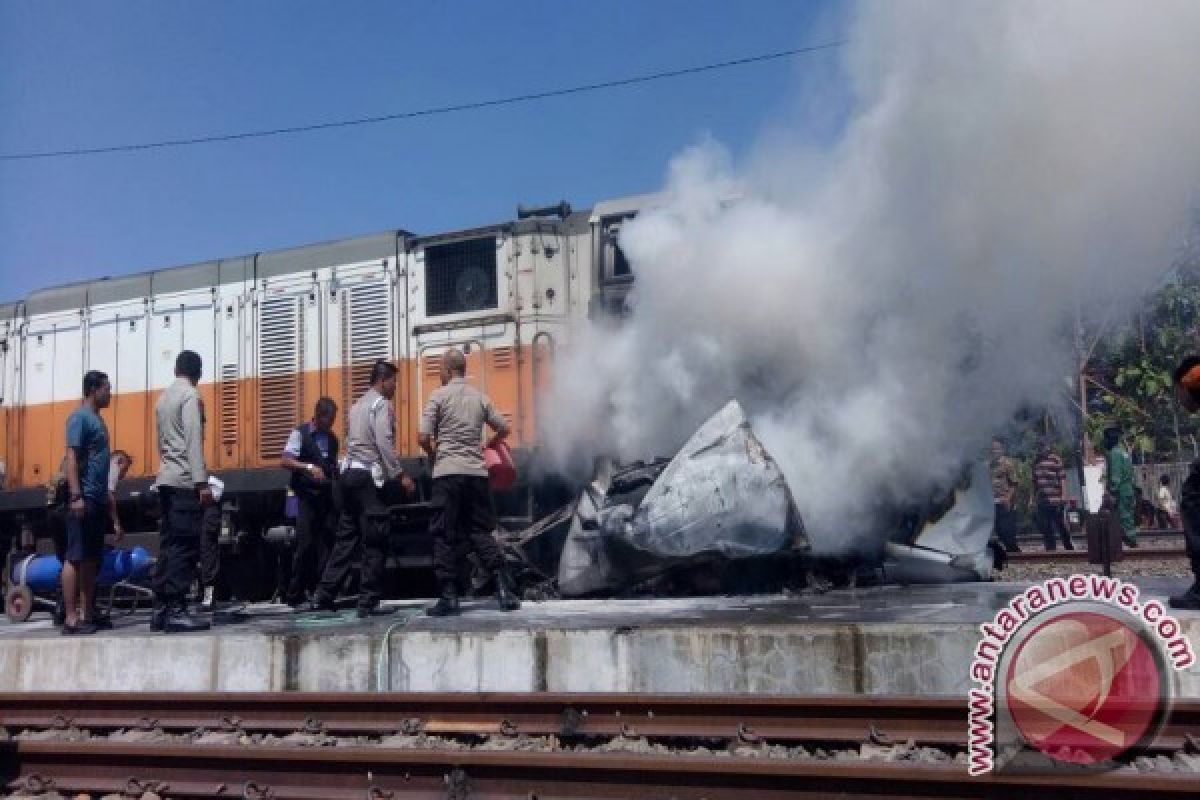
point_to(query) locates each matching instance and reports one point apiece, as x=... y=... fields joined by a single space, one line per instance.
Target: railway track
x=460 y=746
x=1169 y=535
x=1081 y=555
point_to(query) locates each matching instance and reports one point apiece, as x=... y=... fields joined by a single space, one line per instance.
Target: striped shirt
x=1048 y=476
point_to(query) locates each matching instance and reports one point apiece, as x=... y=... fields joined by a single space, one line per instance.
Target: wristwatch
x=75 y=497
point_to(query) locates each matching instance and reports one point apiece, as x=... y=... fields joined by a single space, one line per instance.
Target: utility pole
x=1083 y=446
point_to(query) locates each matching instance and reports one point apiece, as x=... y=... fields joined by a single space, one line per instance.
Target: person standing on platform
x=1187 y=393
x=86 y=470
x=1118 y=481
x=184 y=493
x=213 y=585
x=451 y=434
x=364 y=521
x=118 y=468
x=1164 y=505
x=1050 y=480
x=311 y=453
x=1004 y=490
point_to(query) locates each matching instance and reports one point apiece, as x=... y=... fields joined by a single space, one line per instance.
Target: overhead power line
x=424 y=112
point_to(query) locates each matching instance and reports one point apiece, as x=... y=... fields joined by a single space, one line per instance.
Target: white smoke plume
x=881 y=306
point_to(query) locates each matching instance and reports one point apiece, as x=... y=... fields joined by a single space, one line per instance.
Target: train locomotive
x=277 y=330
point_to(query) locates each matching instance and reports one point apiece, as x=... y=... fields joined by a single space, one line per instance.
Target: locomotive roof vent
x=562 y=211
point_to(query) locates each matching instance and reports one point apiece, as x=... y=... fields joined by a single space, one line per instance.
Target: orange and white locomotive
x=277 y=330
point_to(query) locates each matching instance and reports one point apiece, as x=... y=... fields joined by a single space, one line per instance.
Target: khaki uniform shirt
x=454 y=416
x=371 y=435
x=1004 y=480
x=180 y=417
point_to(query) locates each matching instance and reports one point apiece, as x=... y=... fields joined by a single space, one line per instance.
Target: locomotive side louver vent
x=366 y=336
x=433 y=366
x=230 y=396
x=281 y=364
x=460 y=277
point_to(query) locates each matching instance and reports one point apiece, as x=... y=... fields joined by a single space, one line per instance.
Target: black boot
x=1189 y=600
x=101 y=619
x=447 y=604
x=506 y=596
x=158 y=619
x=60 y=611
x=180 y=621
x=319 y=603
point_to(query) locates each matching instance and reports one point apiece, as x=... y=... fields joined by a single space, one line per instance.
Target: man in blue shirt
x=87 y=465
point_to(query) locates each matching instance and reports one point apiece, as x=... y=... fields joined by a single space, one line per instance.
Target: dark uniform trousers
x=362 y=534
x=462 y=521
x=210 y=546
x=1052 y=525
x=1189 y=509
x=179 y=544
x=316 y=520
x=1006 y=527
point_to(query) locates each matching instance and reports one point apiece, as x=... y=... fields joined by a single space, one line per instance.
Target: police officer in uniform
x=311 y=453
x=183 y=492
x=1187 y=392
x=451 y=434
x=363 y=521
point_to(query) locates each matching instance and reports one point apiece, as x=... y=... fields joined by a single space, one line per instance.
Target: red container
x=502 y=473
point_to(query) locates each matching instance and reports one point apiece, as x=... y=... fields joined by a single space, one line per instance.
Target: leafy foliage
x=1129 y=374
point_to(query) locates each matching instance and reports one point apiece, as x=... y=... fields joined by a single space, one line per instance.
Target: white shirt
x=1165 y=501
x=114 y=474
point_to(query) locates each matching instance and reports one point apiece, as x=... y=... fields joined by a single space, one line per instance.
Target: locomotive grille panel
x=229 y=404
x=280 y=365
x=502 y=358
x=460 y=277
x=366 y=336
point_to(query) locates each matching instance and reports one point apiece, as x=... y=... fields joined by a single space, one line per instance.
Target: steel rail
x=833 y=718
x=1031 y=535
x=1127 y=554
x=936 y=721
x=342 y=773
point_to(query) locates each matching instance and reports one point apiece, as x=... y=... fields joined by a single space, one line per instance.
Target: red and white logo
x=1079 y=668
x=1085 y=687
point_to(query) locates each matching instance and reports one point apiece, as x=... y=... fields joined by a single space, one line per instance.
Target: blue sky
x=101 y=73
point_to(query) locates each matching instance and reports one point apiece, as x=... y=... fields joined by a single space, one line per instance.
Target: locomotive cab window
x=460 y=277
x=619 y=262
x=616 y=265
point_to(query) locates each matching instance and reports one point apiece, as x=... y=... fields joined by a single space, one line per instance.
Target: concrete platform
x=888 y=640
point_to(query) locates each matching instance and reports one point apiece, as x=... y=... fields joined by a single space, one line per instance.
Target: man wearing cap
x=451 y=434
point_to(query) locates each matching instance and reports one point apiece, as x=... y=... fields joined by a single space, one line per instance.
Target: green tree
x=1129 y=374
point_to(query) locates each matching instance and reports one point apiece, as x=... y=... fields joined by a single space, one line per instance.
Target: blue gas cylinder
x=42 y=573
x=122 y=565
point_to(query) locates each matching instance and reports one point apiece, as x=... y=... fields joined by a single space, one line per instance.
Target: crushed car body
x=723 y=501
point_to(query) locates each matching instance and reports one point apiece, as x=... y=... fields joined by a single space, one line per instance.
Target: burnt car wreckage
x=720 y=517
